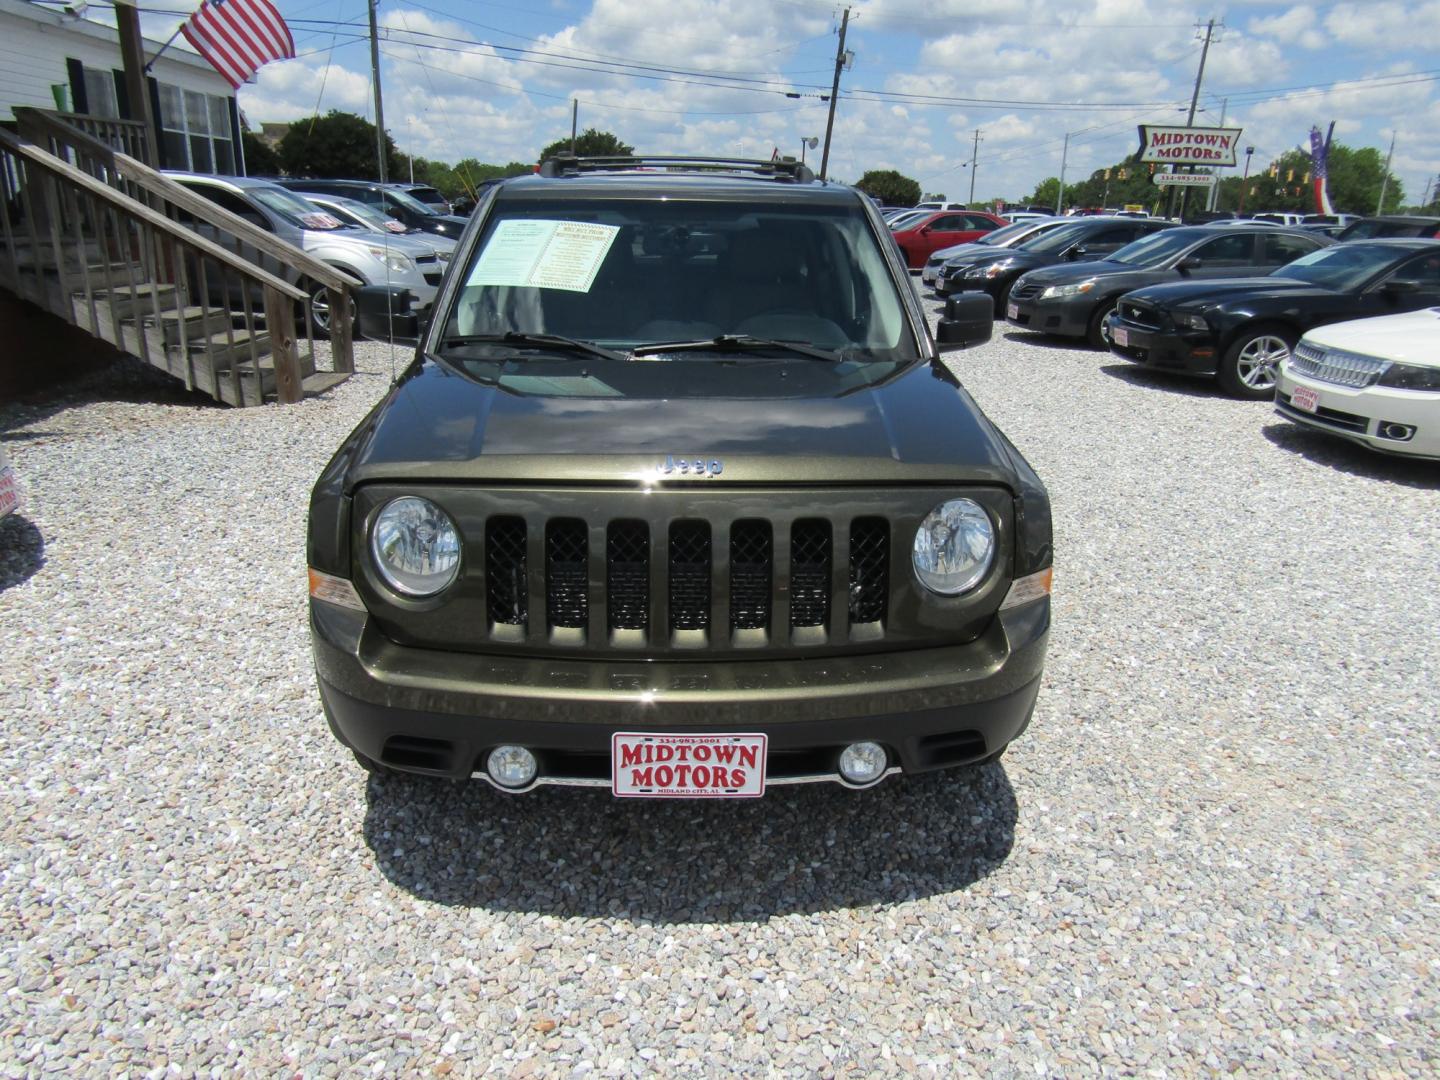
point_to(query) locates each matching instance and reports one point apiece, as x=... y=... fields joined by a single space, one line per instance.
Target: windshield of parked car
x=294 y=209
x=1342 y=267
x=1006 y=233
x=631 y=273
x=367 y=214
x=1152 y=250
x=401 y=198
x=904 y=221
x=1056 y=240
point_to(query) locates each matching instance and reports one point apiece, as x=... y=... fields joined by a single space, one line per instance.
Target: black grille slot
x=627 y=575
x=869 y=569
x=751 y=572
x=810 y=573
x=505 y=570
x=1024 y=292
x=690 y=575
x=567 y=577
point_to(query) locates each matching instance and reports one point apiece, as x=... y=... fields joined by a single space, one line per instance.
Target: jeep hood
x=917 y=427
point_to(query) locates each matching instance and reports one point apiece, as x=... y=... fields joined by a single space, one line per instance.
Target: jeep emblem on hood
x=691 y=466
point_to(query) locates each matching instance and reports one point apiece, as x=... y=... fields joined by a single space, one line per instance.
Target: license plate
x=9 y=491
x=1012 y=311
x=1120 y=335
x=1305 y=399
x=649 y=765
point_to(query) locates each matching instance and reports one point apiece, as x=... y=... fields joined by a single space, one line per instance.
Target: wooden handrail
x=156 y=182
x=31 y=120
x=153 y=180
x=188 y=237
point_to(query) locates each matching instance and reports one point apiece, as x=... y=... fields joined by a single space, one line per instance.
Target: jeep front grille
x=505 y=571
x=567 y=576
x=693 y=572
x=627 y=575
x=689 y=575
x=810 y=573
x=752 y=564
x=693 y=580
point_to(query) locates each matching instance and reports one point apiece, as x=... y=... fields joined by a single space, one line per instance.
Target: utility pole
x=574 y=121
x=1385 y=179
x=1215 y=187
x=974 y=164
x=1190 y=120
x=379 y=108
x=1064 y=157
x=834 y=94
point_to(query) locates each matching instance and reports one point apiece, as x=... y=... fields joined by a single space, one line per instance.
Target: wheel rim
x=1259 y=361
x=320 y=309
x=1104 y=316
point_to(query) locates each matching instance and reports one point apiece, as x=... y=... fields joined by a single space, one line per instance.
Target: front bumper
x=428 y=711
x=1070 y=317
x=1193 y=353
x=1367 y=416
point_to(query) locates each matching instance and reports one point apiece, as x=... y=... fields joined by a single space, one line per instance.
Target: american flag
x=238 y=36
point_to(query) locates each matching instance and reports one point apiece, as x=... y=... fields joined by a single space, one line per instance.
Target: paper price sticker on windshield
x=542 y=254
x=648 y=765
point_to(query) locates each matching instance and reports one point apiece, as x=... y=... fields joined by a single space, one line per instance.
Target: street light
x=1249 y=150
x=811 y=141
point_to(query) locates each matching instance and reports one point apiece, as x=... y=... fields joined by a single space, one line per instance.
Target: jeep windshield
x=723 y=281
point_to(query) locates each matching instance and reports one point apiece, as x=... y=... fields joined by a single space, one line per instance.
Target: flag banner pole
x=168 y=42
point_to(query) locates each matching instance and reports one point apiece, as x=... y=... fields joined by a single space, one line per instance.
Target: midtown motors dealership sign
x=1189 y=146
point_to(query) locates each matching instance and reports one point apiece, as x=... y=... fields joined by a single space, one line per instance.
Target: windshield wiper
x=541 y=341
x=733 y=342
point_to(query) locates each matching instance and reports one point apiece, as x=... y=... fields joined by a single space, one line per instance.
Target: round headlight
x=416 y=546
x=954 y=547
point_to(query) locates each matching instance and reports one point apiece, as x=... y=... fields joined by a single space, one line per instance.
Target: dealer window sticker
x=541 y=254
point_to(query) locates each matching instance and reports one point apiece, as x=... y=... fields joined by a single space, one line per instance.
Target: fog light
x=511 y=766
x=862 y=762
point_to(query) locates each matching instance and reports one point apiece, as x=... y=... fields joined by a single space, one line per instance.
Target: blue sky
x=495 y=80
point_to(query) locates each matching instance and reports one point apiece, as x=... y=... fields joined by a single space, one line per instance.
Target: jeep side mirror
x=969 y=320
x=1402 y=287
x=384 y=313
x=1075 y=251
x=1188 y=263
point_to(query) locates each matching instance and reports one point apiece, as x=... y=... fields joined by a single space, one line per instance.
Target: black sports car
x=1240 y=330
x=1087 y=238
x=1074 y=299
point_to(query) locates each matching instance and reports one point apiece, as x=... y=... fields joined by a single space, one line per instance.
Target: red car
x=942 y=229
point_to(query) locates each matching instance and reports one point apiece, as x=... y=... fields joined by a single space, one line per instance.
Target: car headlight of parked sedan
x=954 y=547
x=990 y=270
x=415 y=545
x=1056 y=292
x=1189 y=320
x=1410 y=377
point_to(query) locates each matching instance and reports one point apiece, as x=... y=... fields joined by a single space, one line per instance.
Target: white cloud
x=1298 y=26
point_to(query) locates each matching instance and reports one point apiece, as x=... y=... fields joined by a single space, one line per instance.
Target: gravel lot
x=1215 y=850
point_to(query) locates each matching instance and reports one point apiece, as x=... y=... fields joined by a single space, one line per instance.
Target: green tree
x=890 y=187
x=338 y=145
x=1045 y=192
x=1287 y=184
x=589 y=143
x=260 y=157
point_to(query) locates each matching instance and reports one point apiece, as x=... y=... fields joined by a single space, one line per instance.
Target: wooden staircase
x=95 y=237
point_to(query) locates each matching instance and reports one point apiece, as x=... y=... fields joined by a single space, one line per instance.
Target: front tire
x=1251 y=364
x=1096 y=333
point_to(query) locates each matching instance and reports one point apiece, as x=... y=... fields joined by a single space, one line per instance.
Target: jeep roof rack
x=787 y=170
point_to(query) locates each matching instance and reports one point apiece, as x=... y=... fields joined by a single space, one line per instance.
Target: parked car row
x=351 y=235
x=1344 y=336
